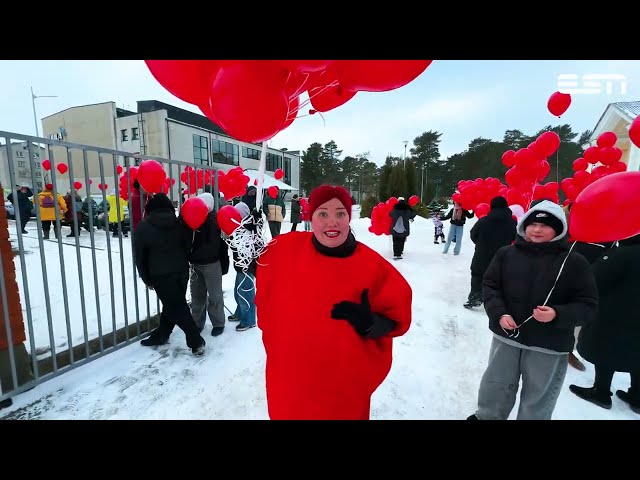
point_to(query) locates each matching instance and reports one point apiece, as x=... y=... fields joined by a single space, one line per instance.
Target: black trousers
x=398 y=245
x=476 y=287
x=172 y=290
x=604 y=376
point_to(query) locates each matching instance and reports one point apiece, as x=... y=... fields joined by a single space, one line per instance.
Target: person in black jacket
x=209 y=258
x=161 y=245
x=535 y=292
x=612 y=341
x=490 y=233
x=400 y=214
x=23 y=206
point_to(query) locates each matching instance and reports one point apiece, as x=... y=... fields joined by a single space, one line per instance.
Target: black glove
x=357 y=314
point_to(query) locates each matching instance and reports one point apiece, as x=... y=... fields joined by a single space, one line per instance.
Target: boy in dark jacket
x=209 y=258
x=162 y=243
x=535 y=292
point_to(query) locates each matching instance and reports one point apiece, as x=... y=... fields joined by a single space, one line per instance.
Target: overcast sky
x=461 y=99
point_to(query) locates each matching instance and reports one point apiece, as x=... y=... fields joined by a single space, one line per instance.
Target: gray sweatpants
x=542 y=378
x=206 y=291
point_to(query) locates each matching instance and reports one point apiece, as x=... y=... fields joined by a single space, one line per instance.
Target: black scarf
x=342 y=251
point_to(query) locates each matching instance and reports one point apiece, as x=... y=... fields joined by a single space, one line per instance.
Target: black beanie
x=547 y=218
x=499 y=202
x=159 y=201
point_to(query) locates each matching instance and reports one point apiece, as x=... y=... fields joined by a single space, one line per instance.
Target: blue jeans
x=244 y=294
x=454 y=231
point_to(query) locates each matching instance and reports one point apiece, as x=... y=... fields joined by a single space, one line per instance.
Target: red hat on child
x=324 y=193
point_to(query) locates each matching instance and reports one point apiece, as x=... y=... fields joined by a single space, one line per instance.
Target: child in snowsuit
x=439 y=226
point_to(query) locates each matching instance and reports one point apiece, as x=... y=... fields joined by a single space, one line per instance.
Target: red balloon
x=278 y=174
x=607 y=139
x=77 y=185
x=194 y=212
x=634 y=132
x=413 y=200
x=272 y=192
x=481 y=210
x=46 y=164
x=591 y=219
x=508 y=158
x=592 y=155
x=558 y=103
x=151 y=176
x=378 y=75
x=305 y=66
x=324 y=99
x=580 y=164
x=548 y=143
x=189 y=80
x=228 y=219
x=249 y=101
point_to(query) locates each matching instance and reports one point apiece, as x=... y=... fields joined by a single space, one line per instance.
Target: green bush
x=422 y=210
x=367 y=206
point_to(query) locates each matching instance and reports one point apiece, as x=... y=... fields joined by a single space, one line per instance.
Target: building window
x=273 y=162
x=21 y=163
x=287 y=170
x=20 y=154
x=124 y=135
x=225 y=152
x=200 y=150
x=251 y=153
x=134 y=134
x=38 y=174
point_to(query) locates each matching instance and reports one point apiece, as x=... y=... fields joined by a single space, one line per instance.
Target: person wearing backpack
x=400 y=215
x=48 y=206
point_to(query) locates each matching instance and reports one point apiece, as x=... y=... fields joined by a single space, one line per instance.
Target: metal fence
x=77 y=298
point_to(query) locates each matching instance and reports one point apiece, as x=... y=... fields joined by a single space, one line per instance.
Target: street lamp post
x=33 y=102
x=405 y=153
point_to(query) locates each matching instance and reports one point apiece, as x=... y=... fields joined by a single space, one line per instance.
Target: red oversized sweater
x=319 y=367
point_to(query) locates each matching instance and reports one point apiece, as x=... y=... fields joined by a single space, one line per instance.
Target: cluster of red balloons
x=477 y=194
x=380 y=219
x=605 y=153
x=253 y=100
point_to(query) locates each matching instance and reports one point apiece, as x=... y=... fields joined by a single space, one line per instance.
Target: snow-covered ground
x=100 y=316
x=435 y=375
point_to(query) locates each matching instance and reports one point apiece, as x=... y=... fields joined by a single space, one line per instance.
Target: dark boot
x=473 y=417
x=575 y=363
x=631 y=399
x=157 y=337
x=593 y=395
x=7 y=402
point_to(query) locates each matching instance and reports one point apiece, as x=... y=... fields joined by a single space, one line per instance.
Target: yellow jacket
x=113 y=210
x=48 y=213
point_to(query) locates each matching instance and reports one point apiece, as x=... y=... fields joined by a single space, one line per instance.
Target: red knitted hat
x=324 y=193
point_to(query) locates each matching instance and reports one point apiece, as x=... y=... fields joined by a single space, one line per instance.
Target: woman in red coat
x=330 y=350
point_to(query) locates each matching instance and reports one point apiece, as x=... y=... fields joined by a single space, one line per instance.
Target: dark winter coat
x=250 y=197
x=490 y=233
x=208 y=246
x=592 y=251
x=24 y=205
x=465 y=214
x=612 y=340
x=520 y=277
x=295 y=211
x=161 y=243
x=401 y=211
